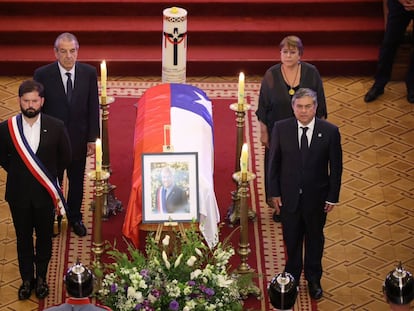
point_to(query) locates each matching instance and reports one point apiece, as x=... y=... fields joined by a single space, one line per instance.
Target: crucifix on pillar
x=175 y=39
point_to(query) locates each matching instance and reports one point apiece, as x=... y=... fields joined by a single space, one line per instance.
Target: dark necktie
x=69 y=87
x=304 y=146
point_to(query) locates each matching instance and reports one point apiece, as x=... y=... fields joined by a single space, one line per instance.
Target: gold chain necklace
x=291 y=90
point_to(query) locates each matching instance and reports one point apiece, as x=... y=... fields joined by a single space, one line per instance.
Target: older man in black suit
x=305 y=169
x=71 y=95
x=33 y=148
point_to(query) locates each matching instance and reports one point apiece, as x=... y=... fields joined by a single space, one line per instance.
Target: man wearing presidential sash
x=33 y=148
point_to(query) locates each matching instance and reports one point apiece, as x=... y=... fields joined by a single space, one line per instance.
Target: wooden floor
x=366 y=236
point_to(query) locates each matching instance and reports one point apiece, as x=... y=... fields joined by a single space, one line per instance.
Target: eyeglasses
x=289 y=52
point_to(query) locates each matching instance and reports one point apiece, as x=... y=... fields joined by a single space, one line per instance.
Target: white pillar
x=174 y=45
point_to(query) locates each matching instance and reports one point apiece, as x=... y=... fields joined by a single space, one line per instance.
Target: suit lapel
x=79 y=82
x=57 y=80
x=316 y=135
x=43 y=133
x=293 y=128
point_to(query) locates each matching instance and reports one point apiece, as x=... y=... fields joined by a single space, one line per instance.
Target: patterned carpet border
x=269 y=248
x=71 y=247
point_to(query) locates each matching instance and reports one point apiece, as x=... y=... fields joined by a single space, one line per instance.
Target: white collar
x=36 y=123
x=63 y=71
x=310 y=126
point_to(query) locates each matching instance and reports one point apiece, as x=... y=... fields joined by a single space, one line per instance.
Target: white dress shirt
x=32 y=133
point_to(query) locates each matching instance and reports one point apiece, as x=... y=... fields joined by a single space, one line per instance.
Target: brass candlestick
x=233 y=214
x=243 y=180
x=111 y=204
x=98 y=249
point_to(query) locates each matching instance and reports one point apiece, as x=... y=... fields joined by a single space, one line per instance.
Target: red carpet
x=266 y=256
x=121 y=126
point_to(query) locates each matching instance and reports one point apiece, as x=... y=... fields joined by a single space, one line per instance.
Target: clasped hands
x=90 y=149
x=277 y=203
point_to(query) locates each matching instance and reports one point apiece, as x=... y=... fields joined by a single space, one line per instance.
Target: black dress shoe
x=79 y=228
x=25 y=290
x=410 y=96
x=42 y=289
x=276 y=217
x=315 y=290
x=372 y=94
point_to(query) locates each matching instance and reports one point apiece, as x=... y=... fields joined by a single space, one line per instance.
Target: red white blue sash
x=35 y=166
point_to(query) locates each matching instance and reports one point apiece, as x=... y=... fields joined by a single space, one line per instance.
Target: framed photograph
x=170 y=187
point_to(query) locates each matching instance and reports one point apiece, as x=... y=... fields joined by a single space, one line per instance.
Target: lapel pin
x=319 y=134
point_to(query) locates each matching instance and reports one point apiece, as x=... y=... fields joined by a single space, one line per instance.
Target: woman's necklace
x=291 y=90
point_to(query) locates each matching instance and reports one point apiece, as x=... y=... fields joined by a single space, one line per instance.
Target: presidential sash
x=35 y=166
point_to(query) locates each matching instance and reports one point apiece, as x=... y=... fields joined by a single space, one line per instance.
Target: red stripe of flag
x=153 y=113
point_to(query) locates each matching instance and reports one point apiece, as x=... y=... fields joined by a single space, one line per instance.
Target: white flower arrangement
x=179 y=274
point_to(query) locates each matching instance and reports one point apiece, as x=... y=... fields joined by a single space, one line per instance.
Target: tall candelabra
x=233 y=213
x=99 y=179
x=243 y=180
x=111 y=205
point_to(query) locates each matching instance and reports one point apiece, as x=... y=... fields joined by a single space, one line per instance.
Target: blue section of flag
x=188 y=97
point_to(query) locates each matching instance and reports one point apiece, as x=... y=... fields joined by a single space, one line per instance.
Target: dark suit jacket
x=81 y=116
x=320 y=178
x=176 y=200
x=54 y=152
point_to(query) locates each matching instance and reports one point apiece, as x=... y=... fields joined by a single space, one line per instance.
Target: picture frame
x=170 y=187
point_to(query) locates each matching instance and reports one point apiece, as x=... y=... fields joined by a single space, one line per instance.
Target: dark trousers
x=397 y=22
x=303 y=229
x=76 y=176
x=266 y=167
x=38 y=219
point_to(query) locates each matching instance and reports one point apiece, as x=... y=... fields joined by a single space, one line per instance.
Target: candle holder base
x=113 y=204
x=233 y=212
x=104 y=178
x=246 y=285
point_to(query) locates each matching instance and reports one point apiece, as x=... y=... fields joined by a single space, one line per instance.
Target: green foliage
x=178 y=273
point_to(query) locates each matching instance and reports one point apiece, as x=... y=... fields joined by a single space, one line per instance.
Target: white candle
x=240 y=92
x=98 y=155
x=103 y=79
x=243 y=158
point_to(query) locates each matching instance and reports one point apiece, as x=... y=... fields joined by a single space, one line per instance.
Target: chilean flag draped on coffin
x=188 y=111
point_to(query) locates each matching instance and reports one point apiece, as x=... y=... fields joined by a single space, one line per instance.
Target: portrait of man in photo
x=170 y=197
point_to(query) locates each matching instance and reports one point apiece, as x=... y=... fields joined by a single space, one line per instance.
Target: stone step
x=224 y=36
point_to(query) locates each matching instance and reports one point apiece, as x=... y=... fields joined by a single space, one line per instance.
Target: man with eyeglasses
x=71 y=95
x=305 y=169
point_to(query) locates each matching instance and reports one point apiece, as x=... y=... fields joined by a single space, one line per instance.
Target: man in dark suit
x=33 y=145
x=305 y=173
x=170 y=197
x=71 y=95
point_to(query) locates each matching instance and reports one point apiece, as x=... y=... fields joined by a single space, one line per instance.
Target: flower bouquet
x=179 y=273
